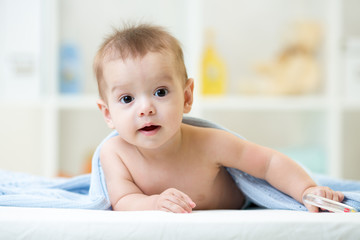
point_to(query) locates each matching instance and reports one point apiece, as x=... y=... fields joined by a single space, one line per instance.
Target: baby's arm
x=276 y=168
x=286 y=175
x=124 y=194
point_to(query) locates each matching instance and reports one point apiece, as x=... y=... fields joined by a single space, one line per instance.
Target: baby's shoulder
x=212 y=136
x=111 y=142
x=206 y=132
x=112 y=146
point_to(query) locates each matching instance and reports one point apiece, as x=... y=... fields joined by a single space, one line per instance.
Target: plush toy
x=295 y=70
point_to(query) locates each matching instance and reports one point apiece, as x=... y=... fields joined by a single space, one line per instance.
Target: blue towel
x=89 y=191
x=262 y=194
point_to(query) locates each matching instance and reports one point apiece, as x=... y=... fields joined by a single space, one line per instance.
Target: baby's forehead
x=151 y=63
x=156 y=59
x=114 y=53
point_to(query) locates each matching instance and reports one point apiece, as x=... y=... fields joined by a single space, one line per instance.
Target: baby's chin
x=159 y=141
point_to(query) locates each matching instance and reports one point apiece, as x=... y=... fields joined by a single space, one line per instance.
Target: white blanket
x=51 y=223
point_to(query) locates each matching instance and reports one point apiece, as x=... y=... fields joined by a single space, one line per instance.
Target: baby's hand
x=173 y=200
x=325 y=192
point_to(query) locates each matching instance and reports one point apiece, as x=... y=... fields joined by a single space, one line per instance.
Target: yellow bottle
x=213 y=70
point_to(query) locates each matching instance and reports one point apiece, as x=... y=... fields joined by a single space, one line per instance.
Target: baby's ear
x=106 y=113
x=188 y=95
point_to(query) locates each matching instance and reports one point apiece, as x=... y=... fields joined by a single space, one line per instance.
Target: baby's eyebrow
x=118 y=87
x=164 y=77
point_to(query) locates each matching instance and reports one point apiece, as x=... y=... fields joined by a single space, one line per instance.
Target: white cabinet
x=54 y=132
x=28 y=76
x=318 y=129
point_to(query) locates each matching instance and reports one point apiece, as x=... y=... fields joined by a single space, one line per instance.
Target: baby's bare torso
x=209 y=185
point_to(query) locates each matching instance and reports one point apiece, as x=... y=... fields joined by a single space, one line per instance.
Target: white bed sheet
x=42 y=223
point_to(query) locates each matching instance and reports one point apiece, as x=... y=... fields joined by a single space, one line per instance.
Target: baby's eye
x=162 y=92
x=126 y=99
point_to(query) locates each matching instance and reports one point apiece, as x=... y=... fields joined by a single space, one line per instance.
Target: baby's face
x=145 y=98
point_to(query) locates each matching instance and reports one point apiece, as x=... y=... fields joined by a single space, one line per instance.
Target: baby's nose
x=148 y=109
x=147 y=113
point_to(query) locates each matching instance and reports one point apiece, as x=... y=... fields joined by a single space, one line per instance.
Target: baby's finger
x=187 y=199
x=171 y=206
x=311 y=208
x=340 y=196
x=182 y=203
x=183 y=196
x=321 y=192
x=329 y=194
x=182 y=200
x=172 y=195
x=336 y=197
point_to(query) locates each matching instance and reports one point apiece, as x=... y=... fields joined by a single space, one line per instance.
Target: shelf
x=288 y=103
x=35 y=102
x=61 y=102
x=77 y=101
x=351 y=104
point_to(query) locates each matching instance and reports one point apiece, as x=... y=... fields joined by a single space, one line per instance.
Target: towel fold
x=89 y=191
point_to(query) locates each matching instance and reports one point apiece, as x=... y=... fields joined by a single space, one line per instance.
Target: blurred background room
x=284 y=74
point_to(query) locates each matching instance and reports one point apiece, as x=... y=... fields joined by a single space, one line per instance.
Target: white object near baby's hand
x=327 y=204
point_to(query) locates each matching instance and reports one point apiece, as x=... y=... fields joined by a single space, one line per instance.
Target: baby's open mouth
x=149 y=128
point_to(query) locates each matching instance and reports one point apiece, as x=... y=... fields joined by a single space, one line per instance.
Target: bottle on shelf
x=70 y=69
x=213 y=69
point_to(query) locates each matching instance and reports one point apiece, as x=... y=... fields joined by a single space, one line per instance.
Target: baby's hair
x=134 y=41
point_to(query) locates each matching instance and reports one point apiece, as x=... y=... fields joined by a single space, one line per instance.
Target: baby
x=157 y=162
